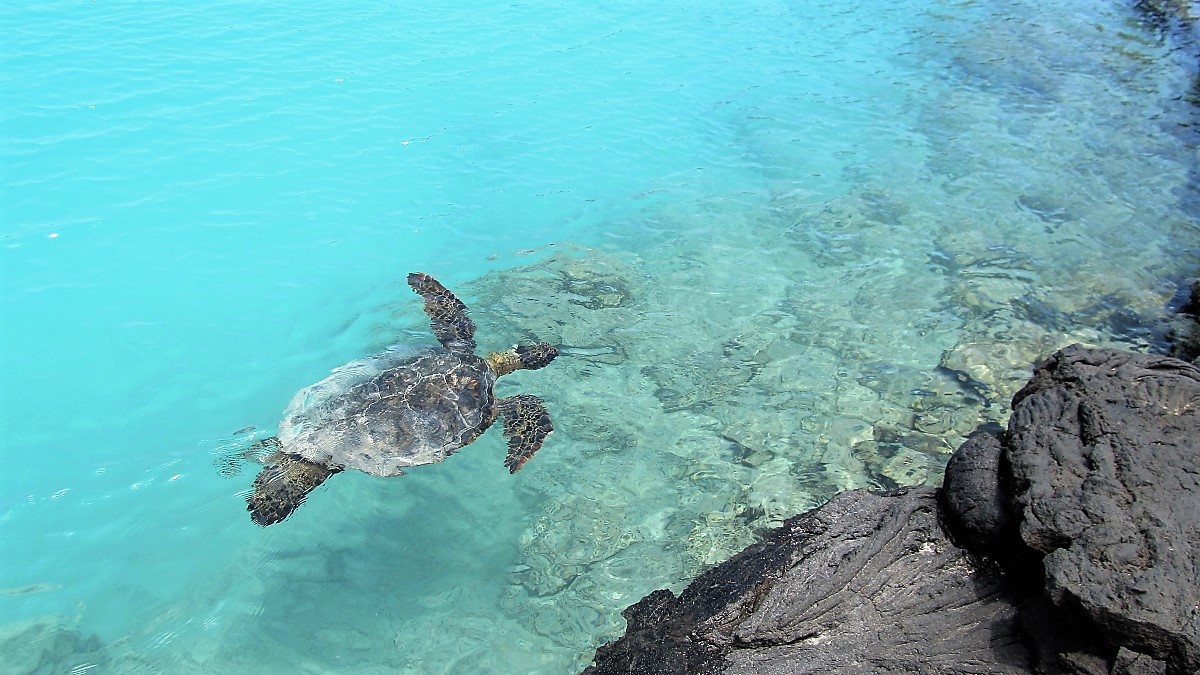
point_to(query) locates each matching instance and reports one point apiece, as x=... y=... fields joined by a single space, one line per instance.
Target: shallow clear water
x=786 y=248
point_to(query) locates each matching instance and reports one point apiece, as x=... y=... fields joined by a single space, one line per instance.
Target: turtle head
x=535 y=356
x=522 y=357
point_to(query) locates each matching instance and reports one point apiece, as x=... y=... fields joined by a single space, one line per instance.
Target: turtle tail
x=282 y=486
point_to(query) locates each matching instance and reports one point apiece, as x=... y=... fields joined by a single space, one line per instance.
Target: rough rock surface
x=1104 y=448
x=978 y=505
x=1081 y=552
x=866 y=579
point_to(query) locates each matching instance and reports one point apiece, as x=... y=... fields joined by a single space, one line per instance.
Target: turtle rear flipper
x=447 y=314
x=526 y=425
x=282 y=486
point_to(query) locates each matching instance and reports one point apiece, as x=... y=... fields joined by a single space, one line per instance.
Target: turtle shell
x=405 y=407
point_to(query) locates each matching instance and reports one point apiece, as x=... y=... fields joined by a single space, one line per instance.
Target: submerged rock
x=1066 y=544
x=48 y=644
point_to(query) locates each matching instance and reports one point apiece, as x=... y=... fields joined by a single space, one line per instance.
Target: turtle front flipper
x=447 y=314
x=526 y=425
x=282 y=486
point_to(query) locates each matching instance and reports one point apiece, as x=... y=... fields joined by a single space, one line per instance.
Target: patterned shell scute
x=392 y=411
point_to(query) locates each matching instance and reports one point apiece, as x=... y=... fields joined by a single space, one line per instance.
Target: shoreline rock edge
x=1068 y=543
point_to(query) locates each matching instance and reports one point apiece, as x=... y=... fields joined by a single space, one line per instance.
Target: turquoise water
x=786 y=249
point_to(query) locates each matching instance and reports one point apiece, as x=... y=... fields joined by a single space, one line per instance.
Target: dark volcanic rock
x=1184 y=335
x=975 y=493
x=1104 y=447
x=860 y=585
x=1081 y=528
x=1192 y=306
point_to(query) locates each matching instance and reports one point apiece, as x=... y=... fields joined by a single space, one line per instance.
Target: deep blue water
x=759 y=231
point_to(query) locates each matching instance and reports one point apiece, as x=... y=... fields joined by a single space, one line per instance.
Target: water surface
x=786 y=248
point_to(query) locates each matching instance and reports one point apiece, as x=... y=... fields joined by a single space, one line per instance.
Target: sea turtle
x=402 y=408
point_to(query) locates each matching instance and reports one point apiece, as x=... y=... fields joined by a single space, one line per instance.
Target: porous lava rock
x=1104 y=449
x=978 y=502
